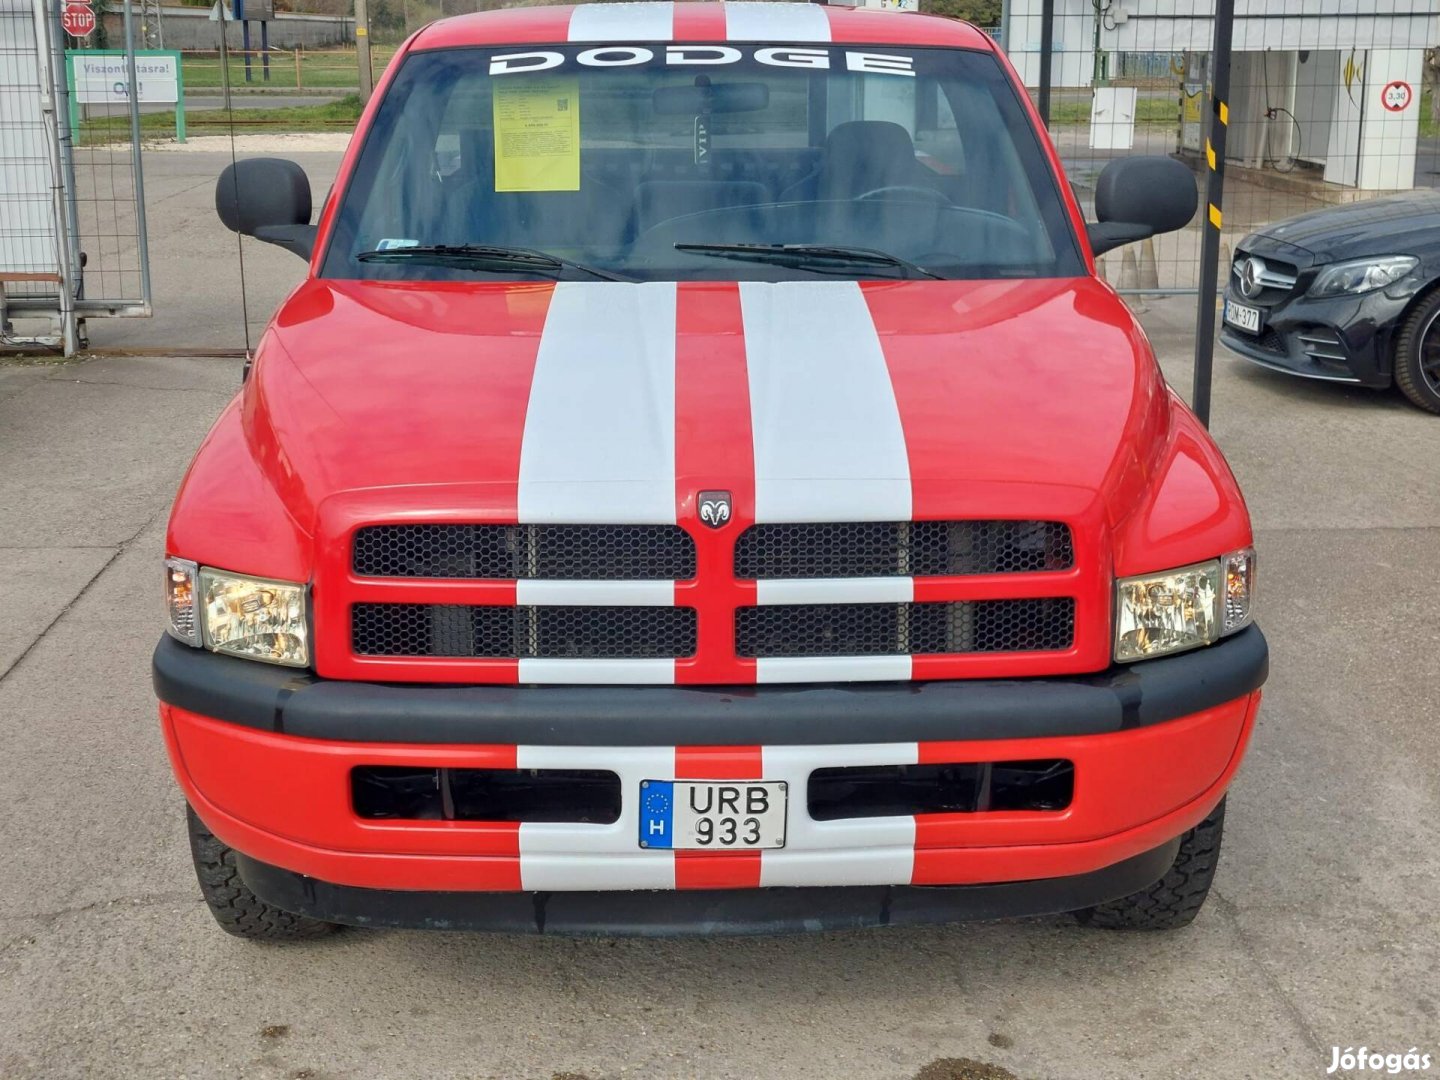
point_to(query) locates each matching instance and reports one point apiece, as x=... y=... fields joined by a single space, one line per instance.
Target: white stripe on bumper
x=857 y=851
x=776 y=23
x=599 y=442
x=623 y=22
x=827 y=434
x=562 y=855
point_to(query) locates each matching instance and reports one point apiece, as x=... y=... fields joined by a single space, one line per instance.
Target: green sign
x=102 y=77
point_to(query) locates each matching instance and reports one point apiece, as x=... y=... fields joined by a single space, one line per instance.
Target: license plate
x=1242 y=315
x=713 y=815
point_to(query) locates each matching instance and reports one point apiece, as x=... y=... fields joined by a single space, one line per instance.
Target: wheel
x=238 y=910
x=1417 y=354
x=1174 y=900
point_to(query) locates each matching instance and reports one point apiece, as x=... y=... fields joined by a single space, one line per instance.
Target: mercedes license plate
x=1242 y=315
x=713 y=815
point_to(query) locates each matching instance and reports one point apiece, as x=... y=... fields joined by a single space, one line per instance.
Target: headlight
x=254 y=618
x=1362 y=275
x=1169 y=612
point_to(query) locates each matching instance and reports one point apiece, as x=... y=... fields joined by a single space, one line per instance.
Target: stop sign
x=78 y=20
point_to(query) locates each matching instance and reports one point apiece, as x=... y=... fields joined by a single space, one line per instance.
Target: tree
x=979 y=12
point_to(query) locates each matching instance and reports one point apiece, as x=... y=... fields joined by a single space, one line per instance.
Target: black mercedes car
x=1348 y=294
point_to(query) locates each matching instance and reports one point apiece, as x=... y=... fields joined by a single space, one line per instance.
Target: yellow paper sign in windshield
x=537 y=134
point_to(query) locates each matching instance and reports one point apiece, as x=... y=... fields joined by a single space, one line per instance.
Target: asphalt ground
x=1321 y=931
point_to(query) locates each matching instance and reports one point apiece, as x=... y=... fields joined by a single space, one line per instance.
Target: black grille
x=530 y=632
x=420 y=794
x=967 y=626
x=575 y=552
x=890 y=790
x=904 y=548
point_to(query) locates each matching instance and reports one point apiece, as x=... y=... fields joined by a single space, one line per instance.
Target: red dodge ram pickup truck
x=701 y=485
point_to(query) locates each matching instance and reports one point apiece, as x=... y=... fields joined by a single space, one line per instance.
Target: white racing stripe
x=778 y=23
x=599 y=442
x=623 y=22
x=828 y=440
x=545 y=592
x=857 y=851
x=577 y=856
x=796 y=669
x=876 y=590
x=616 y=672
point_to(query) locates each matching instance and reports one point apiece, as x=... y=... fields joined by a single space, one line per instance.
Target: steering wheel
x=926 y=194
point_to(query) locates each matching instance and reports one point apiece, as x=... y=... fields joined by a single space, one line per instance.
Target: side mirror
x=1137 y=197
x=269 y=199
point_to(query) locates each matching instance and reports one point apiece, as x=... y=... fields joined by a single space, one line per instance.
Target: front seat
x=860 y=156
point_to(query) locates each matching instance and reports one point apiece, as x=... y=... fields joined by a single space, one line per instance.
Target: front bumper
x=1336 y=339
x=264 y=755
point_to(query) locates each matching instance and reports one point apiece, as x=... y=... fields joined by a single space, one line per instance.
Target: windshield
x=694 y=162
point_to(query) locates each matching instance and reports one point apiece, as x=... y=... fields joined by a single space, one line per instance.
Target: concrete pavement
x=1320 y=931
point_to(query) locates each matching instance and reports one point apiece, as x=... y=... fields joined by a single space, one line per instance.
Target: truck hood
x=616 y=402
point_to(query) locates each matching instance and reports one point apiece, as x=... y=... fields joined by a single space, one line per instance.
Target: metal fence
x=73 y=241
x=1330 y=101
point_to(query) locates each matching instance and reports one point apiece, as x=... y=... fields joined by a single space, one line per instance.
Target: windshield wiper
x=487 y=257
x=805 y=256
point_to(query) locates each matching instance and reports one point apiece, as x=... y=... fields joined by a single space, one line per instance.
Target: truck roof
x=757 y=21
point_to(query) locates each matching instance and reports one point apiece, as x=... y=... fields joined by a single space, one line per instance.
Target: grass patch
x=318 y=68
x=1148 y=110
x=338 y=115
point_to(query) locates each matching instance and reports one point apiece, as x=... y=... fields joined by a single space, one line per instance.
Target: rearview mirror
x=1137 y=197
x=721 y=98
x=269 y=199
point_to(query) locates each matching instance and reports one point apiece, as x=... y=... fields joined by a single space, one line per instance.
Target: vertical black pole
x=265 y=48
x=245 y=44
x=1047 y=55
x=1214 y=189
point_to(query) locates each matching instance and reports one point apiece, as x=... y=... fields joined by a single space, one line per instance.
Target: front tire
x=1417 y=355
x=1174 y=900
x=238 y=910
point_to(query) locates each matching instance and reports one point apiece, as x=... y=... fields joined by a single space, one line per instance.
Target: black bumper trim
x=276 y=699
x=685 y=912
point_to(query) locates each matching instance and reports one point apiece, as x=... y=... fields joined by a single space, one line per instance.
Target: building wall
x=191 y=28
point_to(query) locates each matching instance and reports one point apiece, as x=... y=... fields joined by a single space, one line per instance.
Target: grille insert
x=965 y=626
x=522 y=632
x=523 y=552
x=414 y=793
x=902 y=548
x=888 y=790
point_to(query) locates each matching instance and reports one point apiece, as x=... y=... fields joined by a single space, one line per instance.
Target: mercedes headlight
x=1362 y=275
x=254 y=618
x=1168 y=612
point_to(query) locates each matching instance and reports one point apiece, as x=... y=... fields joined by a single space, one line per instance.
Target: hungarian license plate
x=1242 y=315
x=713 y=815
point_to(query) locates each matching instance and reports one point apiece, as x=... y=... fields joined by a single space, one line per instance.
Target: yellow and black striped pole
x=1214 y=189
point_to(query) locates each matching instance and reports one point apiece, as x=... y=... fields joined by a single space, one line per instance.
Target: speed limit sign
x=1396 y=96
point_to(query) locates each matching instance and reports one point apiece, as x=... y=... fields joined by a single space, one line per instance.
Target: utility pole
x=362 y=48
x=1047 y=55
x=1214 y=189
